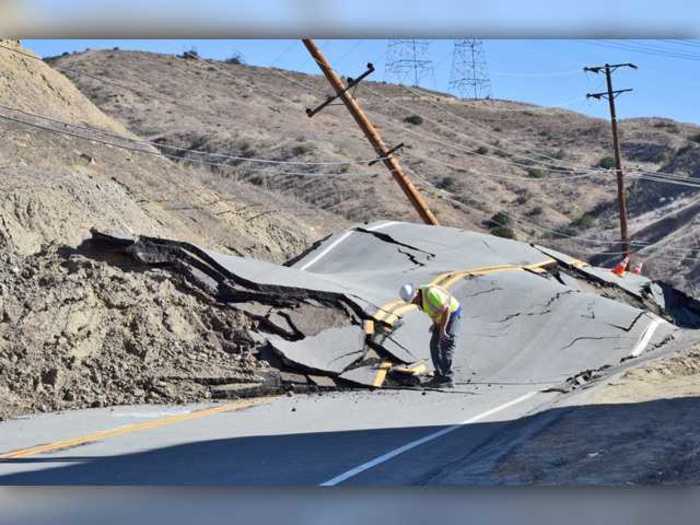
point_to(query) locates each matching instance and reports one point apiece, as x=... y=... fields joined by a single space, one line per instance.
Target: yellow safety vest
x=434 y=299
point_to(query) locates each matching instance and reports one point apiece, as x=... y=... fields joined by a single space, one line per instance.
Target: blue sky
x=541 y=71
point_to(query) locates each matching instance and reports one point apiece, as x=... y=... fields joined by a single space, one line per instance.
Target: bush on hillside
x=503 y=231
x=583 y=222
x=499 y=219
x=447 y=183
x=236 y=58
x=606 y=163
x=535 y=173
x=416 y=120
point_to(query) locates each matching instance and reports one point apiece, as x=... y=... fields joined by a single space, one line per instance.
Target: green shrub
x=448 y=183
x=606 y=163
x=537 y=210
x=482 y=150
x=582 y=222
x=503 y=231
x=236 y=58
x=499 y=219
x=535 y=173
x=300 y=149
x=416 y=120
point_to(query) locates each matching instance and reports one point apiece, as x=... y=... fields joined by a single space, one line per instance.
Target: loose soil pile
x=80 y=332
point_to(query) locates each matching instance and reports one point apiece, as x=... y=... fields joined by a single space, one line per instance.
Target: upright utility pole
x=610 y=94
x=370 y=132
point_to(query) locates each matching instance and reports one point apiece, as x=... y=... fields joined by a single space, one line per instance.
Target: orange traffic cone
x=621 y=266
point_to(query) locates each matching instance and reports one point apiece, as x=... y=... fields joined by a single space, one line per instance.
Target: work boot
x=440 y=382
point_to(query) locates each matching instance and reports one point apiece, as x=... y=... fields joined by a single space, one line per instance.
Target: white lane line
x=413 y=444
x=341 y=239
x=328 y=249
x=646 y=337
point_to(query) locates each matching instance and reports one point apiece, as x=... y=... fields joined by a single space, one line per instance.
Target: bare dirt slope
x=640 y=428
x=76 y=331
x=472 y=158
x=98 y=184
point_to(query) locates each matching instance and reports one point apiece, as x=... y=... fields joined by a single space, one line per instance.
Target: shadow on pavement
x=641 y=443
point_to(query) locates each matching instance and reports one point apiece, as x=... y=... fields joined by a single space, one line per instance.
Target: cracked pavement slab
x=546 y=321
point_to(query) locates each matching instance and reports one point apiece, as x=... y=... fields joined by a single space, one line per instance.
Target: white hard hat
x=407 y=292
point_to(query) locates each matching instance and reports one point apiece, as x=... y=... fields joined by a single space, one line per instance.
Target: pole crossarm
x=605 y=94
x=371 y=133
x=352 y=82
x=388 y=153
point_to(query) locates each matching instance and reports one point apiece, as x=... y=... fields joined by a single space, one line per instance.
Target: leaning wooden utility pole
x=610 y=94
x=368 y=129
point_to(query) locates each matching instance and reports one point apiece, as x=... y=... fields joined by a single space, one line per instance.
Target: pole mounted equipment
x=370 y=132
x=610 y=95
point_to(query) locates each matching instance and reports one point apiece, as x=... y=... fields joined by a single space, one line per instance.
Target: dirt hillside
x=75 y=329
x=473 y=159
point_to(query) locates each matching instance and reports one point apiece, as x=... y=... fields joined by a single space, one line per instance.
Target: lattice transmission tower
x=469 y=77
x=408 y=62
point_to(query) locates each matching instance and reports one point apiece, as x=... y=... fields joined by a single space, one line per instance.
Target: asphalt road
x=340 y=438
x=524 y=331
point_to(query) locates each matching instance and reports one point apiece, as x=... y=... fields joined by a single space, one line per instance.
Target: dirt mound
x=79 y=332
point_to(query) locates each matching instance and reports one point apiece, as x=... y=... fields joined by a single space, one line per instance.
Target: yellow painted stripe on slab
x=391 y=319
x=381 y=373
x=135 y=427
x=390 y=312
x=415 y=370
x=385 y=310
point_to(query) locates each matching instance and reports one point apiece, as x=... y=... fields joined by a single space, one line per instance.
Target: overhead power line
x=164 y=145
x=646 y=50
x=155 y=153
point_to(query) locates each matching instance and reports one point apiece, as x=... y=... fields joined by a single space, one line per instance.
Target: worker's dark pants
x=442 y=347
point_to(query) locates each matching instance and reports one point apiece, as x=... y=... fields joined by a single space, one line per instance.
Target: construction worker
x=446 y=314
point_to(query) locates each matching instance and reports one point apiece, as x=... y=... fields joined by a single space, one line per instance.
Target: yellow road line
x=381 y=373
x=389 y=313
x=134 y=427
x=385 y=310
x=415 y=370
